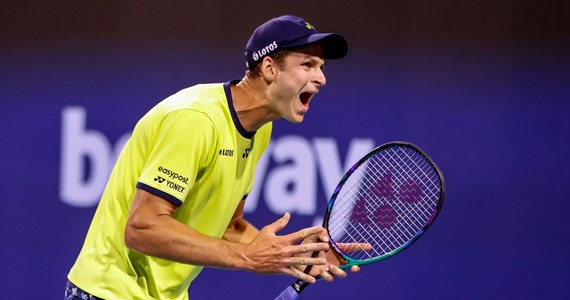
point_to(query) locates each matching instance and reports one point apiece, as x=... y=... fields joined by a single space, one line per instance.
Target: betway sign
x=290 y=184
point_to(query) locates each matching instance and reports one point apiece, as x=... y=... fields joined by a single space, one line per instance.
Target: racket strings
x=385 y=202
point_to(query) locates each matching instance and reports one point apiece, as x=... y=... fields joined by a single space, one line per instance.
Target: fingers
x=300 y=275
x=309 y=248
x=331 y=272
x=327 y=274
x=279 y=224
x=284 y=254
x=310 y=234
x=304 y=261
x=351 y=247
x=324 y=236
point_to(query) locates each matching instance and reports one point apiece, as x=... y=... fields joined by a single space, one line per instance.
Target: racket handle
x=288 y=294
x=293 y=291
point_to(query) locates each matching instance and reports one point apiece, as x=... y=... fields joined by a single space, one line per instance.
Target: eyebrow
x=318 y=61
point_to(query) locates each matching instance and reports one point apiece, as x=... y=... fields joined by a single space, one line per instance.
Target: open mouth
x=305 y=98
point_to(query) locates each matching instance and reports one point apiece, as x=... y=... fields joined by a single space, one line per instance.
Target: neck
x=251 y=103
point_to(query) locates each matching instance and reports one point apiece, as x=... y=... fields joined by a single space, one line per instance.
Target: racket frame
x=299 y=285
x=358 y=262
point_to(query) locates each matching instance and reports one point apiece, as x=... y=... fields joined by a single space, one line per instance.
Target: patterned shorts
x=72 y=292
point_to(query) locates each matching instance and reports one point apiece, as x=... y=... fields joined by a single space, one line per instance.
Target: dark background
x=482 y=86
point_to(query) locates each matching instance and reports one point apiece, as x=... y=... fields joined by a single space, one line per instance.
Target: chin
x=297 y=119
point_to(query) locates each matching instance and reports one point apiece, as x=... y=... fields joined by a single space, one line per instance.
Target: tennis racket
x=386 y=201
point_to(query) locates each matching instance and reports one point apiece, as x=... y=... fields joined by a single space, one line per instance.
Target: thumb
x=280 y=223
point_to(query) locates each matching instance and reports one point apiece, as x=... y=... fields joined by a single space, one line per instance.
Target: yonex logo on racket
x=383 y=193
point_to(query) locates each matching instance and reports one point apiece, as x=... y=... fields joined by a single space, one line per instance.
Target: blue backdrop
x=482 y=87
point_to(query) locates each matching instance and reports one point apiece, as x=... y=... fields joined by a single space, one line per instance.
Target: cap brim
x=334 y=45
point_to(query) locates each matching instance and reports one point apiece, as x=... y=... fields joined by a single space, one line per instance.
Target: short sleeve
x=181 y=147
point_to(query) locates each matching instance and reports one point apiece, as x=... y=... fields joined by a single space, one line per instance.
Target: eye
x=313 y=64
x=307 y=65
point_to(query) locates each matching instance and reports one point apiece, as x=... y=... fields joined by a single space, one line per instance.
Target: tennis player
x=174 y=201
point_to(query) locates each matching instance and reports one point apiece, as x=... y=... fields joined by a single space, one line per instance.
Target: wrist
x=242 y=258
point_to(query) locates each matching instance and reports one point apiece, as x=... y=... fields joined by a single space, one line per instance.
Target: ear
x=268 y=68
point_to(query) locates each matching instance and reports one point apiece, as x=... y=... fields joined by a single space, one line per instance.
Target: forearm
x=169 y=239
x=153 y=231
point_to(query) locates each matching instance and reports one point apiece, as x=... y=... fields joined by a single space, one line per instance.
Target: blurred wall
x=482 y=86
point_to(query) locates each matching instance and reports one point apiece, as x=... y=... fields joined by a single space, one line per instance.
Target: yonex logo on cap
x=264 y=51
x=309 y=26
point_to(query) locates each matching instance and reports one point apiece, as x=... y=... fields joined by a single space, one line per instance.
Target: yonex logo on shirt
x=246 y=153
x=171 y=184
x=175 y=186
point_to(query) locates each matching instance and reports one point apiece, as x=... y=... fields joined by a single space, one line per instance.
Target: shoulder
x=194 y=104
x=199 y=97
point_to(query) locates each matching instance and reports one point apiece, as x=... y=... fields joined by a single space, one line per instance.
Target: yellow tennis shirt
x=191 y=150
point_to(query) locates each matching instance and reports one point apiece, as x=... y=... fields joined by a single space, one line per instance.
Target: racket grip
x=288 y=294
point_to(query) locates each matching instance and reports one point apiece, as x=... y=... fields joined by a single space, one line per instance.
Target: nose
x=320 y=78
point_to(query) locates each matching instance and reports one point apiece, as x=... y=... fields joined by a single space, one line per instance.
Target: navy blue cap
x=288 y=32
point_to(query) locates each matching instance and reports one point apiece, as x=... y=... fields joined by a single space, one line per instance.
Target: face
x=297 y=82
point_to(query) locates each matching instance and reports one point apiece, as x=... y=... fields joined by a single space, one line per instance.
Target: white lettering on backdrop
x=290 y=184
